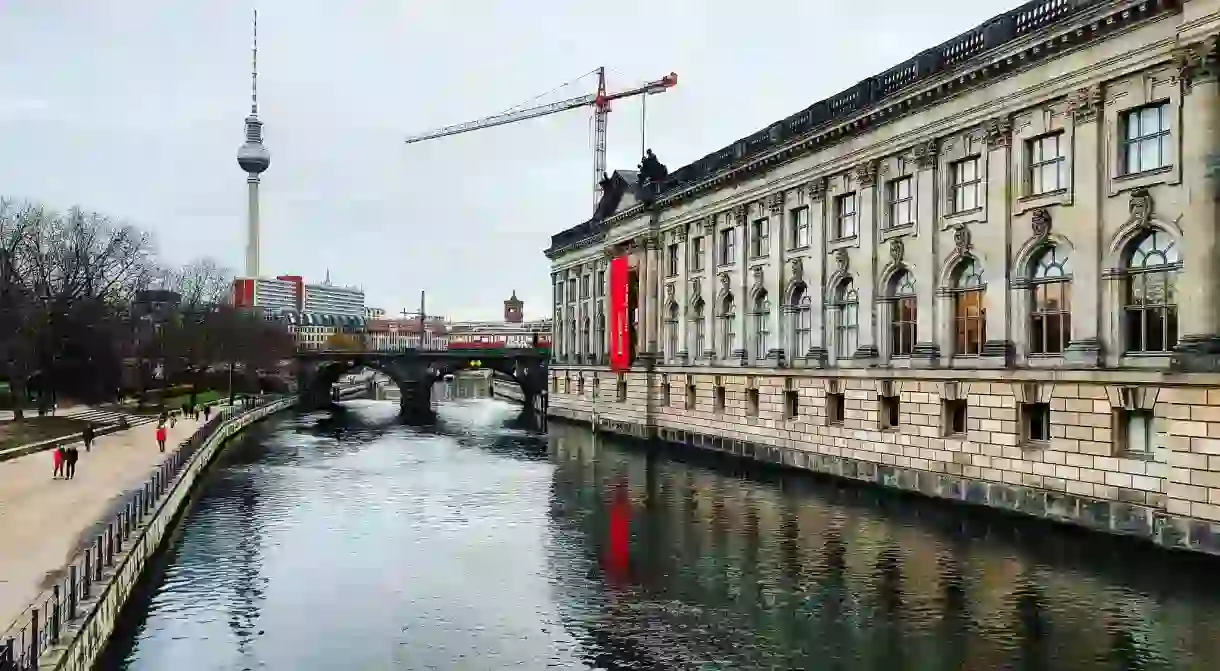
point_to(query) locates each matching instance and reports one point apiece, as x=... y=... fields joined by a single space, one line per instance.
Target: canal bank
x=351 y=540
x=1125 y=515
x=66 y=629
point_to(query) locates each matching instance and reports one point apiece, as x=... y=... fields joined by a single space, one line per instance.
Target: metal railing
x=38 y=628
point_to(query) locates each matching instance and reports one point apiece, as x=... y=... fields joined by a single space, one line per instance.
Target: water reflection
x=355 y=541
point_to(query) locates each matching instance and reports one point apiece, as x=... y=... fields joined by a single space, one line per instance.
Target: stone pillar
x=741 y=293
x=1088 y=171
x=682 y=296
x=650 y=283
x=1199 y=306
x=998 y=347
x=814 y=271
x=922 y=246
x=711 y=290
x=775 y=277
x=865 y=175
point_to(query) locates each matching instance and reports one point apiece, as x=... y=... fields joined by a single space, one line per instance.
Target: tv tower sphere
x=252 y=156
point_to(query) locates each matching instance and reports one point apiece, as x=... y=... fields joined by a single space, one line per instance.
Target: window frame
x=893 y=200
x=846 y=296
x=904 y=302
x=1034 y=167
x=1163 y=137
x=976 y=294
x=958 y=185
x=1170 y=272
x=842 y=216
x=726 y=250
x=1038 y=315
x=799 y=227
x=760 y=238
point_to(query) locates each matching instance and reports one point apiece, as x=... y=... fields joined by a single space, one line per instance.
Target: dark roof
x=800 y=131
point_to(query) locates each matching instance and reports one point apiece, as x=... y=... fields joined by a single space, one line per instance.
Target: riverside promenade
x=43 y=522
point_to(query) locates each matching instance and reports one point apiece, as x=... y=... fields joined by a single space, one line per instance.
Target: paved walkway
x=44 y=522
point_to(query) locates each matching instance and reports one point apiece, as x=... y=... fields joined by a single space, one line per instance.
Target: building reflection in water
x=741 y=568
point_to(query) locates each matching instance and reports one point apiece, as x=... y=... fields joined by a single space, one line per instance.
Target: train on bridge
x=487 y=340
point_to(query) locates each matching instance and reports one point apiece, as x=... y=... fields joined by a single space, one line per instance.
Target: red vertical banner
x=620 y=319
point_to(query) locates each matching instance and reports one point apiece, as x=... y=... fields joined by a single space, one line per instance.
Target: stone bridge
x=415 y=371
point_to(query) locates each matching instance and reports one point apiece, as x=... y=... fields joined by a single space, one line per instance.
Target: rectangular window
x=954 y=417
x=760 y=242
x=1146 y=138
x=584 y=286
x=572 y=290
x=558 y=293
x=1036 y=421
x=792 y=401
x=719 y=399
x=696 y=253
x=691 y=395
x=621 y=389
x=567 y=385
x=580 y=386
x=728 y=246
x=835 y=404
x=595 y=394
x=555 y=385
x=889 y=412
x=671 y=260
x=798 y=228
x=601 y=283
x=965 y=186
x=1047 y=164
x=752 y=402
x=899 y=194
x=1134 y=431
x=845 y=216
x=665 y=395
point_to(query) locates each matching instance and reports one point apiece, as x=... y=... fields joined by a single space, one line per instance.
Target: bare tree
x=202 y=282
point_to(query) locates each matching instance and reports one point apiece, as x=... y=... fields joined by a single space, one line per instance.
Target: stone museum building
x=990 y=273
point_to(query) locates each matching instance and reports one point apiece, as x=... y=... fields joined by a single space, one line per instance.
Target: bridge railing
x=37 y=629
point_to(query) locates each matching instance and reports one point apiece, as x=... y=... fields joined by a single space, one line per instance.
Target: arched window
x=969 y=315
x=599 y=330
x=902 y=314
x=727 y=336
x=847 y=327
x=800 y=319
x=584 y=337
x=699 y=330
x=1050 y=314
x=1151 y=312
x=762 y=333
x=572 y=338
x=671 y=332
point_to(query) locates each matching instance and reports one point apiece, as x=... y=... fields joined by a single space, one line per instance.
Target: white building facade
x=989 y=273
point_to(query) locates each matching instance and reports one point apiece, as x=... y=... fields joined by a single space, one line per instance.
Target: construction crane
x=600 y=102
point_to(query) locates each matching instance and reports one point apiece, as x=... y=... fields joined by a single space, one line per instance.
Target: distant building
x=155 y=305
x=374 y=313
x=330 y=299
x=513 y=309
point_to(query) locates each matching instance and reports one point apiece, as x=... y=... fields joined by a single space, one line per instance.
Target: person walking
x=161 y=437
x=86 y=436
x=58 y=459
x=71 y=455
x=207 y=412
x=173 y=419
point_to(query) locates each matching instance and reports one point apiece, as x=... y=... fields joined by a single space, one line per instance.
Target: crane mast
x=600 y=102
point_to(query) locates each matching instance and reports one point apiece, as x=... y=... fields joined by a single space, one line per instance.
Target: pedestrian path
x=44 y=522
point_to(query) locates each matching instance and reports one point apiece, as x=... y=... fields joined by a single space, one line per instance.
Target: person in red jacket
x=57 y=458
x=161 y=437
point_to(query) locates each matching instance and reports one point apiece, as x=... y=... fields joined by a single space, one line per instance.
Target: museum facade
x=990 y=273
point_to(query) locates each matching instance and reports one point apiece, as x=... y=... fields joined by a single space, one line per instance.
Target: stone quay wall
x=84 y=638
x=1168 y=493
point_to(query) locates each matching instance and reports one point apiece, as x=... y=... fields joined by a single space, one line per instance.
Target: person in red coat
x=161 y=437
x=57 y=458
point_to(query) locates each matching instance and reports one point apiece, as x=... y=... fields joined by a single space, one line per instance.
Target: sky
x=135 y=108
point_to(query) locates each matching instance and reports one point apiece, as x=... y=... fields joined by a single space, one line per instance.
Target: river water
x=354 y=542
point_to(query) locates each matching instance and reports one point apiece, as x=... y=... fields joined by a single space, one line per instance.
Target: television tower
x=254 y=158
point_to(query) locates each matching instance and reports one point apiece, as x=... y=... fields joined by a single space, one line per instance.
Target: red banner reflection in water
x=620 y=319
x=618 y=556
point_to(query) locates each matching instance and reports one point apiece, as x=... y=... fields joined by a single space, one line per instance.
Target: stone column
x=814 y=271
x=1087 y=168
x=711 y=289
x=650 y=296
x=682 y=295
x=1199 y=304
x=922 y=246
x=741 y=293
x=579 y=312
x=775 y=277
x=997 y=346
x=556 y=320
x=607 y=254
x=865 y=175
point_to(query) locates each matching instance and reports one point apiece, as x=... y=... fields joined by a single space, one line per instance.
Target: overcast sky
x=135 y=108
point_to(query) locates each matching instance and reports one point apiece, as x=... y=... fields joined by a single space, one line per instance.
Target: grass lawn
x=35 y=429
